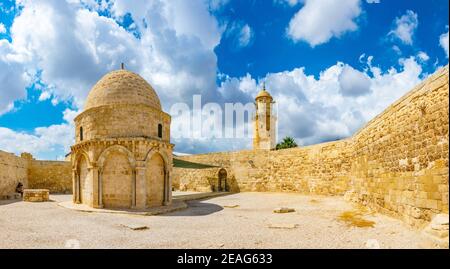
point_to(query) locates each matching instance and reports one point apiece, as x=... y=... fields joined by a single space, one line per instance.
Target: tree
x=288 y=142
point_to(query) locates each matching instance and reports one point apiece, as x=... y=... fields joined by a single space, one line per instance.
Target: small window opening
x=81 y=133
x=160 y=130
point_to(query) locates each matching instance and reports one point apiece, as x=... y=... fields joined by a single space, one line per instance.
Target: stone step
x=11 y=196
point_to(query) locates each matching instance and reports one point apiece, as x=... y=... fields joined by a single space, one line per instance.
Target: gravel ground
x=241 y=220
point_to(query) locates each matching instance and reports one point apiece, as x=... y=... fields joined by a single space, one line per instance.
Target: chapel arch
x=83 y=182
x=117 y=178
x=222 y=182
x=156 y=179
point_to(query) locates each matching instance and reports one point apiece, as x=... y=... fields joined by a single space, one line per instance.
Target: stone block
x=283 y=210
x=36 y=195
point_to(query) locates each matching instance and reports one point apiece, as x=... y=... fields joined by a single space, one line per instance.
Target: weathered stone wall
x=400 y=159
x=52 y=175
x=319 y=169
x=397 y=163
x=13 y=169
x=55 y=176
x=114 y=122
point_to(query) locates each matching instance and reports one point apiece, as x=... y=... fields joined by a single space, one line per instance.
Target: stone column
x=141 y=191
x=75 y=192
x=100 y=188
x=95 y=183
x=167 y=189
x=133 y=189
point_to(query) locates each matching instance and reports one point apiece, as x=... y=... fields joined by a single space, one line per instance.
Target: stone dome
x=122 y=87
x=263 y=93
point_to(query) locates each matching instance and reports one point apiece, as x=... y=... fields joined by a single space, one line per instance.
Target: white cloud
x=240 y=33
x=443 y=41
x=2 y=28
x=45 y=96
x=13 y=78
x=311 y=23
x=334 y=105
x=397 y=49
x=245 y=36
x=405 y=27
x=373 y=1
x=353 y=82
x=175 y=51
x=423 y=56
x=288 y=2
x=73 y=47
x=44 y=142
x=217 y=4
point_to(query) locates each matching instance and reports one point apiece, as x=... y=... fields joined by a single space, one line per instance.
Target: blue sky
x=331 y=65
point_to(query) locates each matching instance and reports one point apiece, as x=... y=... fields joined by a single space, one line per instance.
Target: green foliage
x=287 y=143
x=190 y=165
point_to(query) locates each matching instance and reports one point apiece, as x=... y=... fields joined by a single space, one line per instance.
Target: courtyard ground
x=243 y=220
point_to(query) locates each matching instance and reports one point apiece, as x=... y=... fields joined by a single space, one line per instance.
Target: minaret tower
x=264 y=136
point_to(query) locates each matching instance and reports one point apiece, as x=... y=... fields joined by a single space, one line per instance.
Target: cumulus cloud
x=13 y=77
x=309 y=23
x=353 y=82
x=423 y=56
x=405 y=27
x=43 y=142
x=73 y=47
x=443 y=41
x=68 y=47
x=335 y=104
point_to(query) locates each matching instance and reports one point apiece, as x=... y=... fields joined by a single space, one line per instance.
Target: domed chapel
x=122 y=156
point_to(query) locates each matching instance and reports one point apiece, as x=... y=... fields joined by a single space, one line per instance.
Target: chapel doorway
x=222 y=186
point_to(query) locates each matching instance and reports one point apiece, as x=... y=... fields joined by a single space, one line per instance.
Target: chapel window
x=160 y=130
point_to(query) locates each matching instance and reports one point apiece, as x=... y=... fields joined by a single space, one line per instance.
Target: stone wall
x=13 y=169
x=52 y=175
x=400 y=159
x=319 y=169
x=397 y=163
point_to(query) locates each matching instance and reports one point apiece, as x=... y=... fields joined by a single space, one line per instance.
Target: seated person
x=19 y=189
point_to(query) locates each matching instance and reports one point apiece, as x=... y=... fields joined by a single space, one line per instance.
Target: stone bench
x=39 y=195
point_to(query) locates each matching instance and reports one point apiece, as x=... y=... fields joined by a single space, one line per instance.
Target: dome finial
x=264 y=86
x=122 y=66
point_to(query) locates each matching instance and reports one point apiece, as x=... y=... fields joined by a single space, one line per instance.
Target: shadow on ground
x=196 y=208
x=7 y=202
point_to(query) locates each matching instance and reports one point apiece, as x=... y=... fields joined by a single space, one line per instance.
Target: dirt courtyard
x=243 y=220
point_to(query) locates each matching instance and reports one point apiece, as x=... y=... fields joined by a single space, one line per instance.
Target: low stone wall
x=55 y=176
x=319 y=169
x=13 y=169
x=396 y=164
x=52 y=175
x=201 y=180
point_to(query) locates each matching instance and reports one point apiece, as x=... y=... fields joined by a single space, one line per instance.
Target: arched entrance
x=155 y=178
x=222 y=186
x=117 y=180
x=83 y=184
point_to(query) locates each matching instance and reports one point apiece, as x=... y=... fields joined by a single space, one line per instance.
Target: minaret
x=264 y=136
